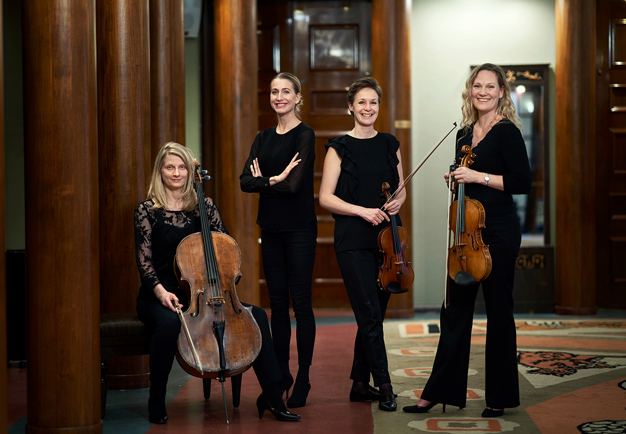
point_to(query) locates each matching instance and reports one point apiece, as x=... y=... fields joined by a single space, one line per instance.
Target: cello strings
x=209 y=249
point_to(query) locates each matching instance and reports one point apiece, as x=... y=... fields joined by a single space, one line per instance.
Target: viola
x=219 y=336
x=469 y=260
x=395 y=275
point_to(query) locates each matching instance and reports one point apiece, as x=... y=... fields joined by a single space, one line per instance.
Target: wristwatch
x=487 y=180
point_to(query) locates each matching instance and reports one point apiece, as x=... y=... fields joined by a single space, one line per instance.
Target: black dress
x=501 y=152
x=157 y=235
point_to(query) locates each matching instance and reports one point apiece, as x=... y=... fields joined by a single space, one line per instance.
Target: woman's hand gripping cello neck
x=256 y=170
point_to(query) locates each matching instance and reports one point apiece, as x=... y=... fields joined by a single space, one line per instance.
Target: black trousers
x=288 y=259
x=359 y=269
x=165 y=327
x=448 y=380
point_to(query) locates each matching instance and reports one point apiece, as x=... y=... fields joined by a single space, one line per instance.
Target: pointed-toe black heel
x=387 y=402
x=490 y=412
x=263 y=404
x=299 y=395
x=418 y=409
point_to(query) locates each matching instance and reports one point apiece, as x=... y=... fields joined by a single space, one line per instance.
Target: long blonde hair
x=156 y=191
x=506 y=108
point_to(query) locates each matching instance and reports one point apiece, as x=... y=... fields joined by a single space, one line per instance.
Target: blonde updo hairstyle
x=156 y=191
x=297 y=88
x=506 y=108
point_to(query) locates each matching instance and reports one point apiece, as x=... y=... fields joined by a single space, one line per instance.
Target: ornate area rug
x=572 y=379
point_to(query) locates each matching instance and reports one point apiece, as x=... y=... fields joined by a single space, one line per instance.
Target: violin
x=395 y=275
x=468 y=259
x=219 y=336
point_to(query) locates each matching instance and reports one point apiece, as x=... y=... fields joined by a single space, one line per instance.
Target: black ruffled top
x=365 y=165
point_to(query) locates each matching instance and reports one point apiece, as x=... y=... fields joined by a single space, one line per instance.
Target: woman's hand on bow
x=166 y=298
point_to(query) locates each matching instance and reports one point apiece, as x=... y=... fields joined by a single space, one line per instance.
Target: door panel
x=327 y=45
x=611 y=154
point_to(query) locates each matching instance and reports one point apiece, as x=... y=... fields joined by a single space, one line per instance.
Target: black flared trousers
x=449 y=378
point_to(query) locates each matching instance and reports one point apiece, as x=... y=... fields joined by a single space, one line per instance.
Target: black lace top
x=157 y=234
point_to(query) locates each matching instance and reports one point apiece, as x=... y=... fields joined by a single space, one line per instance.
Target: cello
x=219 y=336
x=468 y=259
x=395 y=275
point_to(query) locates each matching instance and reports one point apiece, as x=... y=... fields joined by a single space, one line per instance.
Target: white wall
x=447 y=36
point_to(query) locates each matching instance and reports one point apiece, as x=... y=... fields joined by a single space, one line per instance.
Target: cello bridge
x=216 y=300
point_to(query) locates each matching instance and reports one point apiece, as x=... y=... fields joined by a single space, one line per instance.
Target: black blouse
x=157 y=235
x=501 y=152
x=288 y=205
x=365 y=165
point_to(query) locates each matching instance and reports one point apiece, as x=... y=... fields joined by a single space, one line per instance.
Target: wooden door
x=328 y=46
x=611 y=153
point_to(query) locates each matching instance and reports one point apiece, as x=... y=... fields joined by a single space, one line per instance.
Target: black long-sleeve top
x=157 y=235
x=501 y=152
x=288 y=205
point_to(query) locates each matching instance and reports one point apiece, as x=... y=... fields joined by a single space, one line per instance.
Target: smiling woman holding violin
x=355 y=167
x=170 y=214
x=492 y=137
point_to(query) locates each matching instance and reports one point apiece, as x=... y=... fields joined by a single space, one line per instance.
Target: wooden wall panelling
x=611 y=154
x=62 y=238
x=391 y=67
x=576 y=163
x=207 y=91
x=236 y=114
x=3 y=295
x=320 y=31
x=124 y=161
x=167 y=73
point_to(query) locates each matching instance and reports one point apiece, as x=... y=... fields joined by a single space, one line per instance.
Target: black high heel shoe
x=158 y=420
x=299 y=395
x=286 y=384
x=263 y=404
x=418 y=409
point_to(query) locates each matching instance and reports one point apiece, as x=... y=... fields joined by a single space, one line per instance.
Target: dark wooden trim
x=236 y=113
x=575 y=165
x=167 y=73
x=124 y=131
x=62 y=237
x=3 y=295
x=392 y=68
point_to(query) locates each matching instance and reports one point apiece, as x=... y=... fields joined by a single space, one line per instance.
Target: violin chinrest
x=395 y=288
x=463 y=278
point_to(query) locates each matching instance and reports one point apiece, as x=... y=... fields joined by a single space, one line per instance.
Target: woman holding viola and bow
x=171 y=214
x=355 y=167
x=500 y=168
